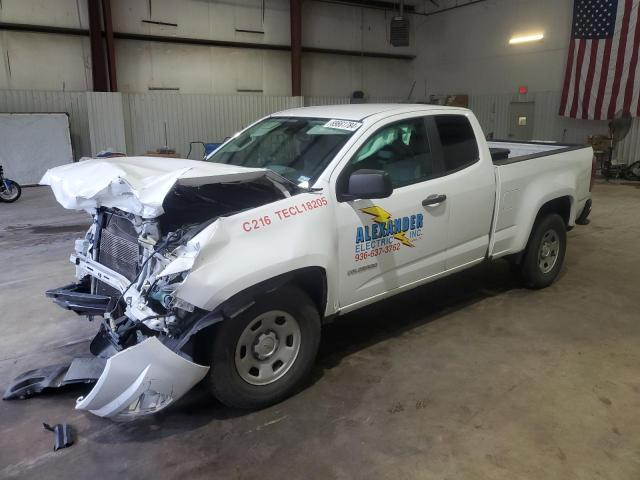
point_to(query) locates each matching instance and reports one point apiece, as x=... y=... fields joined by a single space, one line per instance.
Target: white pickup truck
x=225 y=269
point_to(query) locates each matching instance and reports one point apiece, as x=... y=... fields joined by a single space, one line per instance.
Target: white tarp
x=30 y=143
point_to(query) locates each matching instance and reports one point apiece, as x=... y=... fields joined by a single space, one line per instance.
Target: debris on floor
x=63 y=433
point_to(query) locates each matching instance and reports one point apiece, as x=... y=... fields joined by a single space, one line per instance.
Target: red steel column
x=108 y=37
x=296 y=47
x=98 y=64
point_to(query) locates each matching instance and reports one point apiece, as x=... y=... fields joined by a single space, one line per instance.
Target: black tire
x=532 y=272
x=632 y=172
x=15 y=197
x=224 y=380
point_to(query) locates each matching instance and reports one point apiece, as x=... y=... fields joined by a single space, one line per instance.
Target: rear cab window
x=457 y=142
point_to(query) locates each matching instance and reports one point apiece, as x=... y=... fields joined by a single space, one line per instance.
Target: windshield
x=296 y=148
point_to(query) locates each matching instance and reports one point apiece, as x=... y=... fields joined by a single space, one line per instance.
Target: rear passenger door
x=470 y=187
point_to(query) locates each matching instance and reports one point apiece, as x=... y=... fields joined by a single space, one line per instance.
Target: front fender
x=233 y=257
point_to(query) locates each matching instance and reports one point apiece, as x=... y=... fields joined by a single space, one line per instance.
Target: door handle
x=434 y=200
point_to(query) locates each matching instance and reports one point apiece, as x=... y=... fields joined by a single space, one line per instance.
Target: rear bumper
x=583 y=218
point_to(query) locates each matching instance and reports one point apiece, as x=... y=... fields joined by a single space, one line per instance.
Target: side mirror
x=368 y=184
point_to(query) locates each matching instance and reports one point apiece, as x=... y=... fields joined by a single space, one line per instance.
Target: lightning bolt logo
x=380 y=215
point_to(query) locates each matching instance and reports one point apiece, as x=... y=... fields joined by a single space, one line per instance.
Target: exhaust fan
x=400 y=29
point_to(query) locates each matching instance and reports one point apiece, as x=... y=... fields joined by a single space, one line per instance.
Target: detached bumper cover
x=141 y=380
x=81 y=370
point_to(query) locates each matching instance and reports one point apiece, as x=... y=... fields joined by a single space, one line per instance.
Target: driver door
x=391 y=243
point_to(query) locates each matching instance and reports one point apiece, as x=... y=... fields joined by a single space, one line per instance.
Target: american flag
x=603 y=72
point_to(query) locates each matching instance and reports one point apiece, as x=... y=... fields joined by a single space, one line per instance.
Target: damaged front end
x=129 y=271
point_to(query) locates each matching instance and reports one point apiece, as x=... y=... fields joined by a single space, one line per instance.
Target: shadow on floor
x=346 y=336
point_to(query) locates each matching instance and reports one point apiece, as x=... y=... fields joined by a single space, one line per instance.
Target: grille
x=118 y=251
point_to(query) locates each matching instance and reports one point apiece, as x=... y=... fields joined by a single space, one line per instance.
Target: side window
x=400 y=149
x=459 y=144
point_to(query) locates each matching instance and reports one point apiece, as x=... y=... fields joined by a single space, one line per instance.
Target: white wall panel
x=35 y=61
x=198 y=69
x=59 y=13
x=31 y=143
x=332 y=75
x=54 y=62
x=72 y=103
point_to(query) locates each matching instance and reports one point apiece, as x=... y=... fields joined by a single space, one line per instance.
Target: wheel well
x=313 y=280
x=560 y=205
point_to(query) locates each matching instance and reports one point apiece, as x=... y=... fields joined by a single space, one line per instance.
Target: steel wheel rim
x=549 y=251
x=9 y=193
x=268 y=347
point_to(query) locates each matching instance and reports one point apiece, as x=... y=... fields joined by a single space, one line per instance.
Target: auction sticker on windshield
x=343 y=125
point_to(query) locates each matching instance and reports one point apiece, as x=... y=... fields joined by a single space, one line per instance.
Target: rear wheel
x=263 y=355
x=545 y=252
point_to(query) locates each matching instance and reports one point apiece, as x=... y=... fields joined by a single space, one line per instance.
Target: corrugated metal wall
x=137 y=121
x=106 y=122
x=316 y=101
x=190 y=118
x=493 y=113
x=72 y=103
x=629 y=149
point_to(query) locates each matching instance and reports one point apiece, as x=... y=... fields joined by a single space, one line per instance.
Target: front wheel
x=263 y=355
x=545 y=252
x=10 y=191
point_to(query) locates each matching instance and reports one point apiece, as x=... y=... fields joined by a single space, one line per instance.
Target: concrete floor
x=468 y=378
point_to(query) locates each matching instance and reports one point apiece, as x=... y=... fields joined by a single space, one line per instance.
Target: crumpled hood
x=139 y=185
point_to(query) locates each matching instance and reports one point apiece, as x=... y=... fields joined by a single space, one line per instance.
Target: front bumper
x=141 y=380
x=138 y=380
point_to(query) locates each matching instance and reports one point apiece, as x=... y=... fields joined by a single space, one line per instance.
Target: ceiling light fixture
x=536 y=37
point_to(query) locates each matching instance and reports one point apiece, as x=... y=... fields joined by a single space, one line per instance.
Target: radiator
x=118 y=251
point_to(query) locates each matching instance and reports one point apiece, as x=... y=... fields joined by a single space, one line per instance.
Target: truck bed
x=504 y=152
x=559 y=171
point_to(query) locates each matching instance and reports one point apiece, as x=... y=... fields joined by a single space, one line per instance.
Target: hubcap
x=548 y=252
x=268 y=347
